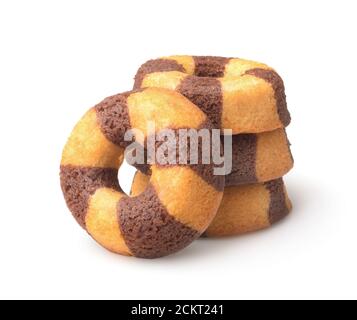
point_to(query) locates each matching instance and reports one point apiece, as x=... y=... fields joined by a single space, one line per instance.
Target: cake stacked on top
x=249 y=99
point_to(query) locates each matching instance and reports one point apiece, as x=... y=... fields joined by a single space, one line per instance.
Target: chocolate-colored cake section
x=183 y=147
x=139 y=153
x=148 y=228
x=79 y=183
x=277 y=209
x=205 y=169
x=244 y=153
x=278 y=86
x=207 y=94
x=206 y=172
x=210 y=66
x=158 y=65
x=113 y=118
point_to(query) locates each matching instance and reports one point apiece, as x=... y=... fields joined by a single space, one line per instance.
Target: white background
x=58 y=58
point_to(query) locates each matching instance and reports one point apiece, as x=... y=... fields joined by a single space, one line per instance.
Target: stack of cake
x=247 y=98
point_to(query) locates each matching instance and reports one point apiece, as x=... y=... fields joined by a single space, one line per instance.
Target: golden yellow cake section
x=238 y=67
x=249 y=105
x=102 y=220
x=186 y=61
x=243 y=209
x=88 y=147
x=186 y=196
x=168 y=80
x=164 y=108
x=273 y=159
x=288 y=202
x=140 y=183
